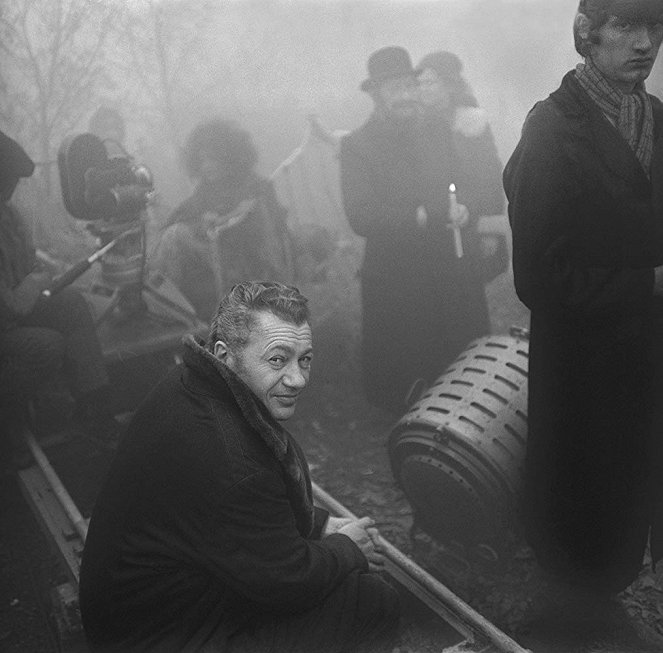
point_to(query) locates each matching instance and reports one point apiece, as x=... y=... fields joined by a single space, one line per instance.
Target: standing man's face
x=626 y=51
x=275 y=362
x=399 y=98
x=434 y=91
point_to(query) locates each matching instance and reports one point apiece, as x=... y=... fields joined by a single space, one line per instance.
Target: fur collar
x=277 y=439
x=253 y=410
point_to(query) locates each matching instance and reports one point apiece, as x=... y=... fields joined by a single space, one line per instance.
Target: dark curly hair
x=222 y=139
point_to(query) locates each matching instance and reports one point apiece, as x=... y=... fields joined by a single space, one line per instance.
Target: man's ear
x=583 y=26
x=222 y=352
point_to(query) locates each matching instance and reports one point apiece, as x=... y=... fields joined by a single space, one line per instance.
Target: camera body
x=111 y=195
x=96 y=187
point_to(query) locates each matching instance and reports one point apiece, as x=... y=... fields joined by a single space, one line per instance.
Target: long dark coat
x=586 y=237
x=206 y=523
x=421 y=304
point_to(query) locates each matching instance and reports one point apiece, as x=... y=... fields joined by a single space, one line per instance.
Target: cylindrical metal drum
x=458 y=452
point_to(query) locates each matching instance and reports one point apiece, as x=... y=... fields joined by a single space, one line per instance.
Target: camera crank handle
x=74 y=272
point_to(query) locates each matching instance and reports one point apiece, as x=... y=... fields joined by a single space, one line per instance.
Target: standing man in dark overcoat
x=587 y=238
x=418 y=309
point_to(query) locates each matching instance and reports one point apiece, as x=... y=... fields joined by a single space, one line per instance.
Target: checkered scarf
x=631 y=112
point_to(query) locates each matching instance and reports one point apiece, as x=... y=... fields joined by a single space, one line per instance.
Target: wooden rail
x=477 y=630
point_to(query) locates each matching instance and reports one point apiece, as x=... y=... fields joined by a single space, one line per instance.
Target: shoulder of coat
x=470 y=121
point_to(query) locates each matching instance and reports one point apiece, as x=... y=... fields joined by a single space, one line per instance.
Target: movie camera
x=111 y=194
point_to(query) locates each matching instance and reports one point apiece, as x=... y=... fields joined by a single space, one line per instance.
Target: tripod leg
x=112 y=304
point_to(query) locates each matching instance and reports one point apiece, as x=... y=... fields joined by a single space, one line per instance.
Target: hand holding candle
x=458 y=215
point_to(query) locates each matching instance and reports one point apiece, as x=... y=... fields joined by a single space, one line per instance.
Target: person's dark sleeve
x=18 y=299
x=579 y=247
x=320 y=519
x=541 y=187
x=481 y=172
x=250 y=542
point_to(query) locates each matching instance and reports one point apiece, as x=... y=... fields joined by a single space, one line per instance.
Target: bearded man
x=422 y=296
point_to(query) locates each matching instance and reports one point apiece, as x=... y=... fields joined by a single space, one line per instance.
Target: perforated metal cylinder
x=458 y=452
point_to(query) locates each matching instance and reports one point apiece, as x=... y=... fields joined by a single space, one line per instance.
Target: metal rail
x=77 y=520
x=439 y=598
x=476 y=629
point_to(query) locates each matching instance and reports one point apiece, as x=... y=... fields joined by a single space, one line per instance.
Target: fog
x=269 y=63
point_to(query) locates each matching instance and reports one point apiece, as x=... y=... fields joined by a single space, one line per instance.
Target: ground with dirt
x=346 y=442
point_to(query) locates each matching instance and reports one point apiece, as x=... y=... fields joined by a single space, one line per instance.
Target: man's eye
x=277 y=361
x=305 y=362
x=623 y=24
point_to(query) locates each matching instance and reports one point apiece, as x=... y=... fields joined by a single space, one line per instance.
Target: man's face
x=399 y=97
x=434 y=92
x=213 y=168
x=275 y=363
x=626 y=51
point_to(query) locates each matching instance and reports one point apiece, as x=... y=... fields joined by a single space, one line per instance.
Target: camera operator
x=39 y=336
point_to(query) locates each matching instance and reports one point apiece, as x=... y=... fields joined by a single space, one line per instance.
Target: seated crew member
x=204 y=536
x=231 y=228
x=39 y=337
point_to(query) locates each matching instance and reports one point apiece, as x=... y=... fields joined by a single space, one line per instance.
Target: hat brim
x=372 y=82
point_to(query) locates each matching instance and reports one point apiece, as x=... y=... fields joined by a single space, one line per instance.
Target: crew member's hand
x=216 y=223
x=41 y=278
x=458 y=215
x=358 y=532
x=334 y=524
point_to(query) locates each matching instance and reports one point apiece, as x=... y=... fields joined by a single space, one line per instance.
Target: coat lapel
x=613 y=150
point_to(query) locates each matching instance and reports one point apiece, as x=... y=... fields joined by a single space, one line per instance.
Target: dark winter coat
x=586 y=236
x=421 y=304
x=18 y=294
x=205 y=520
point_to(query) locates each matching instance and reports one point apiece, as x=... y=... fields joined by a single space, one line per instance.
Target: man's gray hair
x=235 y=316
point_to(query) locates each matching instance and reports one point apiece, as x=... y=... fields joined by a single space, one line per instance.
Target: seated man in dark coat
x=39 y=336
x=204 y=536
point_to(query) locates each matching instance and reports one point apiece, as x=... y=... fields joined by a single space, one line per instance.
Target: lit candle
x=453 y=211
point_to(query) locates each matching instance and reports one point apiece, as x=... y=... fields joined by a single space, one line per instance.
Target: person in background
x=452 y=107
x=108 y=124
x=204 y=536
x=231 y=228
x=449 y=100
x=39 y=336
x=587 y=234
x=422 y=299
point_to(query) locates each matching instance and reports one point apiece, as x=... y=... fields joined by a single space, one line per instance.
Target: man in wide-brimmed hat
x=582 y=187
x=396 y=177
x=392 y=83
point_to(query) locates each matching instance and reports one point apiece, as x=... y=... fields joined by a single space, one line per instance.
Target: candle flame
x=452 y=188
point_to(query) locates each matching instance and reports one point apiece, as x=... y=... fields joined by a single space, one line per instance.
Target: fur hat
x=387 y=63
x=446 y=64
